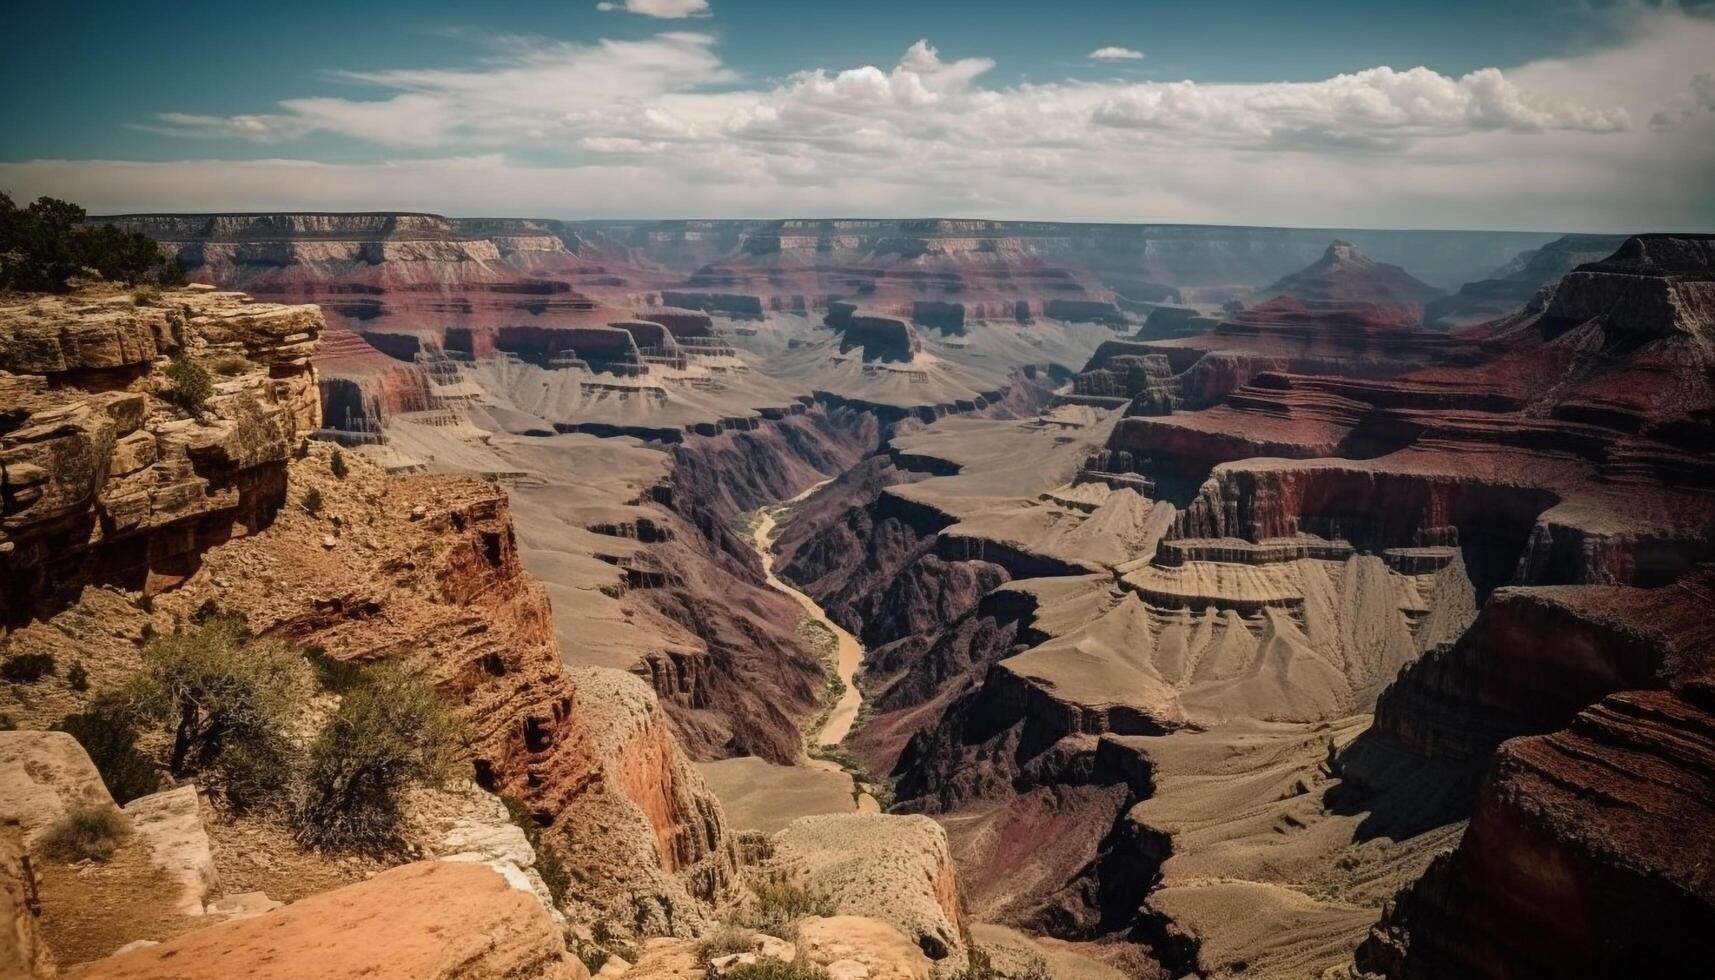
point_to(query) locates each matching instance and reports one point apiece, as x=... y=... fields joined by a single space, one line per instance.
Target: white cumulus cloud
x=1115 y=53
x=661 y=126
x=669 y=9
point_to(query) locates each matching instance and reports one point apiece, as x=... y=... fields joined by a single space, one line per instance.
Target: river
x=849 y=653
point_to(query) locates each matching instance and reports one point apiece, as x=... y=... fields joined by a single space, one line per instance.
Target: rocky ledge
x=105 y=473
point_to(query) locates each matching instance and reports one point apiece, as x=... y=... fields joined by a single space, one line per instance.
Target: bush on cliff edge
x=391 y=731
x=45 y=245
x=230 y=701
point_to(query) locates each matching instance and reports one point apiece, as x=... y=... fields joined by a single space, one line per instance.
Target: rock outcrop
x=104 y=477
x=1586 y=855
x=897 y=869
x=1514 y=284
x=423 y=571
x=1345 y=279
x=24 y=952
x=429 y=920
x=882 y=338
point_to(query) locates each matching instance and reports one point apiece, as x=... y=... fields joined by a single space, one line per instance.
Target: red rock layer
x=1588 y=855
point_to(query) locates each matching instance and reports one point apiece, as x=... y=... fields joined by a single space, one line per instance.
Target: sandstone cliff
x=104 y=478
x=233 y=508
x=429 y=920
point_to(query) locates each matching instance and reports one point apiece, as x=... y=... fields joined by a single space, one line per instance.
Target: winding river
x=849 y=652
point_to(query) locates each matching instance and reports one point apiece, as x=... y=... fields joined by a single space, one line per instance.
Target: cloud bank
x=1615 y=139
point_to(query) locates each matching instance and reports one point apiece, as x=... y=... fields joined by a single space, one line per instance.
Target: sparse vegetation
x=726 y=940
x=313 y=502
x=230 y=701
x=549 y=864
x=779 y=906
x=77 y=678
x=85 y=833
x=336 y=465
x=146 y=295
x=391 y=731
x=44 y=245
x=191 y=383
x=27 y=668
x=602 y=944
x=589 y=954
x=775 y=970
x=552 y=868
x=106 y=733
x=981 y=967
x=232 y=365
x=333 y=674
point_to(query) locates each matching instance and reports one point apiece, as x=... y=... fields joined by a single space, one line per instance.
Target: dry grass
x=90 y=910
x=85 y=833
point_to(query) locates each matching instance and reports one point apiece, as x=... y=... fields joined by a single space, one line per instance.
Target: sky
x=1553 y=115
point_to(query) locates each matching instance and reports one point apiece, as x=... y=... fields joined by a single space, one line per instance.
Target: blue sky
x=1512 y=114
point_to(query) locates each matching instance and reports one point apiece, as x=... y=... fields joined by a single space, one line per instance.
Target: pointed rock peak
x=1344 y=253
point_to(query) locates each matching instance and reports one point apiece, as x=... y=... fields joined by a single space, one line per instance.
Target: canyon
x=1111 y=600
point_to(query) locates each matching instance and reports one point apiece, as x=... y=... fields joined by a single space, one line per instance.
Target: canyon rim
x=1221 y=494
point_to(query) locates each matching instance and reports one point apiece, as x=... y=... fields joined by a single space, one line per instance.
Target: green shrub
x=726 y=940
x=85 y=833
x=229 y=702
x=313 y=502
x=146 y=295
x=549 y=864
x=778 y=908
x=391 y=731
x=331 y=673
x=210 y=613
x=77 y=678
x=27 y=668
x=45 y=245
x=191 y=383
x=336 y=465
x=106 y=733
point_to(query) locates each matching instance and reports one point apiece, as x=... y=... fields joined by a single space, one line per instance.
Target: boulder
x=421 y=921
x=42 y=775
x=878 y=948
x=170 y=824
x=484 y=834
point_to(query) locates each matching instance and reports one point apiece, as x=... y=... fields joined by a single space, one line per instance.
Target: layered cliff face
x=1346 y=279
x=103 y=477
x=1119 y=255
x=237 y=510
x=400 y=275
x=1513 y=285
x=1342 y=315
x=1505 y=522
